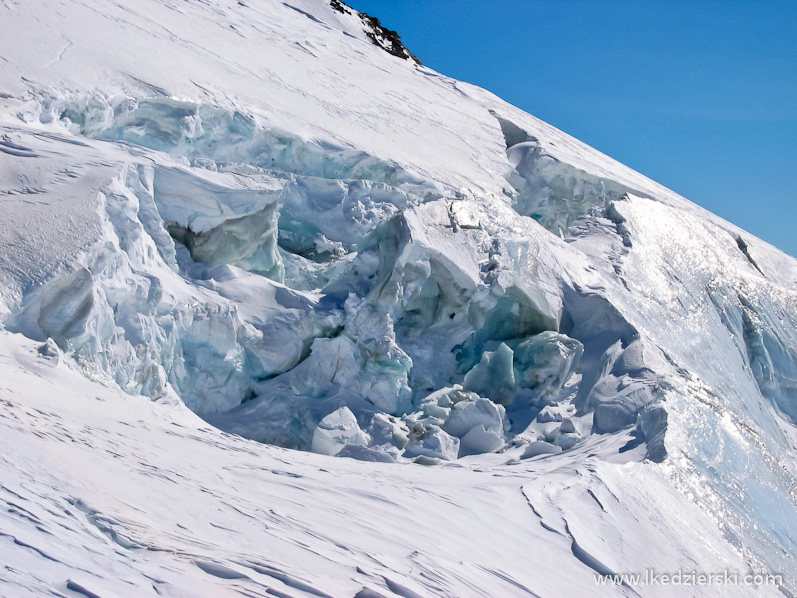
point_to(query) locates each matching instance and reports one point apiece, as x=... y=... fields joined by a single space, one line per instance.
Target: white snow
x=533 y=364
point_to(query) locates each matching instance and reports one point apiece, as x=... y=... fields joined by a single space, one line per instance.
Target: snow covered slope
x=268 y=213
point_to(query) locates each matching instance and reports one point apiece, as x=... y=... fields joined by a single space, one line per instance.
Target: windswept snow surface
x=233 y=229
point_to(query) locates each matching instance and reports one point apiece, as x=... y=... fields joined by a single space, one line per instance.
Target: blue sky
x=700 y=96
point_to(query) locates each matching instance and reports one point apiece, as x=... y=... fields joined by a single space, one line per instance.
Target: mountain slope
x=312 y=242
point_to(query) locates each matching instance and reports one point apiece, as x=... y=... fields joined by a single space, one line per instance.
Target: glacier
x=508 y=362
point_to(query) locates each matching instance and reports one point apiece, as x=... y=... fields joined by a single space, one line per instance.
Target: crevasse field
x=285 y=313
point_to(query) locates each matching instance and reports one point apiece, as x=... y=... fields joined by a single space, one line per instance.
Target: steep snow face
x=314 y=243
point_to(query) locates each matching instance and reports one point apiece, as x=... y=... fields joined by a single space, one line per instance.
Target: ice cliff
x=270 y=213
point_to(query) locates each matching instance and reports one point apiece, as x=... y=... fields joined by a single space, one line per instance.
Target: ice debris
x=493 y=377
x=337 y=430
x=320 y=298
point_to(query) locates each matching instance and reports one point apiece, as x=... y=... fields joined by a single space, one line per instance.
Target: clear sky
x=699 y=95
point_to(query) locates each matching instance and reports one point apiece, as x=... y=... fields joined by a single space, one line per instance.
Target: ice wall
x=279 y=280
x=269 y=282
